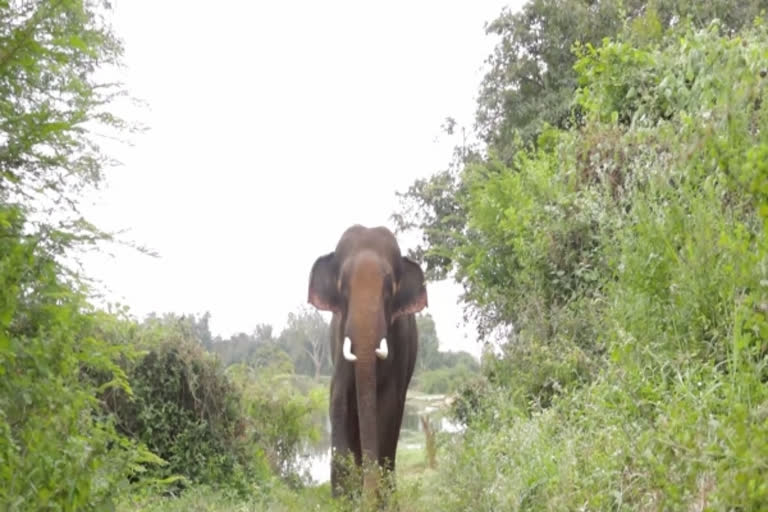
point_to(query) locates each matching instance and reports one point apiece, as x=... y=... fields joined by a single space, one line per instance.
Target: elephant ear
x=323 y=293
x=411 y=296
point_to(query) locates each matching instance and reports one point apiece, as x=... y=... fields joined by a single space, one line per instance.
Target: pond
x=315 y=459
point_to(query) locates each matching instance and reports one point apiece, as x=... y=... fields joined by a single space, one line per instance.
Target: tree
x=263 y=333
x=55 y=359
x=183 y=406
x=530 y=80
x=629 y=253
x=53 y=108
x=271 y=356
x=428 y=357
x=305 y=338
x=529 y=86
x=197 y=329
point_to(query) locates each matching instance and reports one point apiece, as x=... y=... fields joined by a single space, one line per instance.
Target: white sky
x=273 y=127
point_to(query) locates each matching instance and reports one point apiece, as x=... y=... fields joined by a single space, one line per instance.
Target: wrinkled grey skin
x=373 y=292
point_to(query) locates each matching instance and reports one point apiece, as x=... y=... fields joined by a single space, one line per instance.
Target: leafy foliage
x=79 y=405
x=52 y=105
x=58 y=450
x=527 y=90
x=531 y=79
x=232 y=428
x=184 y=409
x=611 y=224
x=280 y=417
x=631 y=253
x=443 y=380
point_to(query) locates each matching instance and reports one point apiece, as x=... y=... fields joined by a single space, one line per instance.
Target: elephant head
x=368 y=284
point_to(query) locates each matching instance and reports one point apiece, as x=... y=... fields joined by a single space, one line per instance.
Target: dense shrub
x=184 y=409
x=632 y=251
x=58 y=450
x=233 y=428
x=282 y=412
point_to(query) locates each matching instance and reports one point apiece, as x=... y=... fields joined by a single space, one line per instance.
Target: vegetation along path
x=606 y=219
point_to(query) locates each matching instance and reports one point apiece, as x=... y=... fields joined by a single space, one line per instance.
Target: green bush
x=58 y=450
x=187 y=410
x=632 y=253
x=443 y=380
x=282 y=414
x=232 y=428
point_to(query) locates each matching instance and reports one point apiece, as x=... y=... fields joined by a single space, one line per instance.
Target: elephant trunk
x=365 y=375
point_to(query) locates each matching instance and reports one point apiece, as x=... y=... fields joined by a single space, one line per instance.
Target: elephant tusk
x=347 y=350
x=383 y=351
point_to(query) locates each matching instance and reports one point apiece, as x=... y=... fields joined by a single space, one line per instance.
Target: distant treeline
x=303 y=347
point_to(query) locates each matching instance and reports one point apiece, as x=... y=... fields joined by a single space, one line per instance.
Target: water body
x=315 y=459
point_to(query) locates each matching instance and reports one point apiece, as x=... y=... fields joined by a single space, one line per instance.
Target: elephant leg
x=345 y=438
x=390 y=419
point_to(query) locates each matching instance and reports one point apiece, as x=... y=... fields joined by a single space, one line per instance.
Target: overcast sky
x=273 y=126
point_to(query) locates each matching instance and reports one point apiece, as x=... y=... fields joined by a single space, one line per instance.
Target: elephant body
x=374 y=293
x=393 y=376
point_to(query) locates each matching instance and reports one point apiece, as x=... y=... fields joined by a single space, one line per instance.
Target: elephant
x=374 y=293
